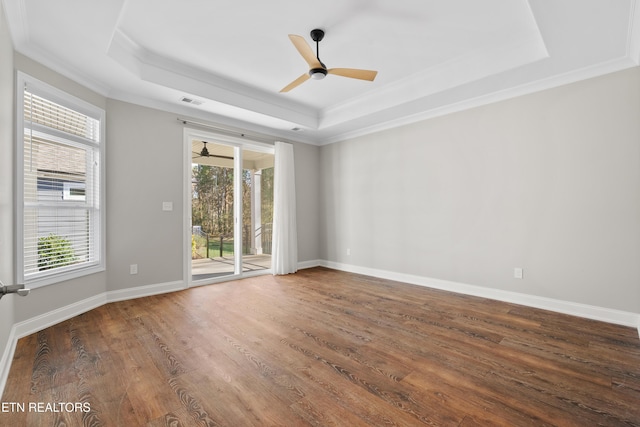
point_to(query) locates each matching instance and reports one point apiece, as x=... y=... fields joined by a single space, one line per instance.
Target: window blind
x=40 y=111
x=61 y=217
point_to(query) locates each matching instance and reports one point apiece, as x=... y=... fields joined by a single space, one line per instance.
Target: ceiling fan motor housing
x=318 y=73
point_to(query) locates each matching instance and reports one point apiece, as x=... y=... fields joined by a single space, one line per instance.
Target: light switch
x=167 y=206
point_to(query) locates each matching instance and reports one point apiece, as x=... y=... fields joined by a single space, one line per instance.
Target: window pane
x=60 y=196
x=57 y=237
x=46 y=113
x=52 y=169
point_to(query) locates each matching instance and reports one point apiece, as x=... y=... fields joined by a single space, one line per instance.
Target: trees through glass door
x=231 y=209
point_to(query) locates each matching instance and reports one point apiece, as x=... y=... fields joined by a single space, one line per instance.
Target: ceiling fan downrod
x=318 y=73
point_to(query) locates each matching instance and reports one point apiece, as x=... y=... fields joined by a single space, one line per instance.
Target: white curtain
x=284 y=250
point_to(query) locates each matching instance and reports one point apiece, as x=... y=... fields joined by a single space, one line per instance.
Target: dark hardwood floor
x=325 y=348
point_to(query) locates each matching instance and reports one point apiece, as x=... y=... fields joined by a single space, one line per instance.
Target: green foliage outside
x=212 y=207
x=54 y=251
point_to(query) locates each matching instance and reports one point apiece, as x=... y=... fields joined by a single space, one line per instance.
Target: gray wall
x=6 y=178
x=549 y=182
x=307 y=169
x=144 y=169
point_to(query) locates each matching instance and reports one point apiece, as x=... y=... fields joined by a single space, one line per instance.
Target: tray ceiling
x=232 y=58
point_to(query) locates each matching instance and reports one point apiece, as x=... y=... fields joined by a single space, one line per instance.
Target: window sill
x=42 y=280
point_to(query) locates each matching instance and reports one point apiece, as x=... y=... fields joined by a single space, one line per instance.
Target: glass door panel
x=213 y=211
x=257 y=209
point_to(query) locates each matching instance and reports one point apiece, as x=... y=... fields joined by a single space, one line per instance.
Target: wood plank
x=323 y=347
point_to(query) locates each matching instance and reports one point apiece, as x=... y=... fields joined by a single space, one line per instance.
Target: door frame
x=238 y=145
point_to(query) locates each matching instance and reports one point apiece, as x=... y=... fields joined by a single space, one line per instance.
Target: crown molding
x=404 y=117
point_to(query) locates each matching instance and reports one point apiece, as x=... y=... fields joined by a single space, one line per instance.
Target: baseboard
x=7 y=357
x=144 y=291
x=566 y=307
x=38 y=323
x=309 y=264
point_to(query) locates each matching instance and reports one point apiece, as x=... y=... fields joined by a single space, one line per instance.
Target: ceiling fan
x=205 y=153
x=317 y=69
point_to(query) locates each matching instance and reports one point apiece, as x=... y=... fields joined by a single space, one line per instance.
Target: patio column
x=256 y=212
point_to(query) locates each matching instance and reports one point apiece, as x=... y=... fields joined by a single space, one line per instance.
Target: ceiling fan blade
x=221 y=157
x=297 y=82
x=353 y=73
x=305 y=50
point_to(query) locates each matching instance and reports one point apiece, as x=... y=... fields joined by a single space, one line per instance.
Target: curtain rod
x=227 y=131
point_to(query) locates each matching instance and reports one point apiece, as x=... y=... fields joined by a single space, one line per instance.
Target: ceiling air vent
x=191 y=101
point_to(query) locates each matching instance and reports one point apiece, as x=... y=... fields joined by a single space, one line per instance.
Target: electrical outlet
x=348 y=251
x=517 y=273
x=133 y=269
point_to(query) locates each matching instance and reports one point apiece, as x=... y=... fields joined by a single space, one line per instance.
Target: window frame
x=53 y=94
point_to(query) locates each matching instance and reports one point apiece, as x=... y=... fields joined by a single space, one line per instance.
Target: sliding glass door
x=230 y=208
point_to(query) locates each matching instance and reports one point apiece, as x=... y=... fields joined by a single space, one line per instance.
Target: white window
x=60 y=152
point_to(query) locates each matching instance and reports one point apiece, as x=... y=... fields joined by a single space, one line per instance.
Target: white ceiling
x=432 y=57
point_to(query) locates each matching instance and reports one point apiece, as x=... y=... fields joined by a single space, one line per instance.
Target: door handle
x=13 y=289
